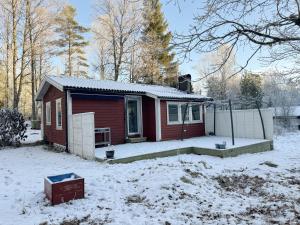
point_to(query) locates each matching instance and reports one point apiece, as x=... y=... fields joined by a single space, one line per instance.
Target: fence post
x=231 y=120
x=215 y=118
x=261 y=120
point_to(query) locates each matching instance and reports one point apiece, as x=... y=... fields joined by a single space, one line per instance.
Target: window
x=195 y=112
x=176 y=111
x=58 y=114
x=173 y=113
x=48 y=113
x=185 y=109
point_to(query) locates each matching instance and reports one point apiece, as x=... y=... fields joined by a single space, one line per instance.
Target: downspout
x=66 y=119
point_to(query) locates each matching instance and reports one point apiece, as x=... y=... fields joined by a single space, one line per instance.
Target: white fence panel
x=83 y=135
x=246 y=123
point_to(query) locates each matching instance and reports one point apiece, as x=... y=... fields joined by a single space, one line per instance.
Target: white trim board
x=157 y=120
x=70 y=122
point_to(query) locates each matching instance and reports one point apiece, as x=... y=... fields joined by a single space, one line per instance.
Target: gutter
x=187 y=99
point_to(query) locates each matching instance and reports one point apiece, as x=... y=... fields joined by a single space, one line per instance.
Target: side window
x=173 y=113
x=185 y=110
x=58 y=114
x=196 y=113
x=48 y=113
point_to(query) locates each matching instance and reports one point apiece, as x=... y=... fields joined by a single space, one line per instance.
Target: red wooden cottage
x=129 y=110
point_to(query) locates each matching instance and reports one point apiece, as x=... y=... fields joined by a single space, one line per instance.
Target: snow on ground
x=184 y=189
x=32 y=136
x=133 y=149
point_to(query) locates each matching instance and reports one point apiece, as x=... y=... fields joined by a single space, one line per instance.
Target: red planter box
x=63 y=188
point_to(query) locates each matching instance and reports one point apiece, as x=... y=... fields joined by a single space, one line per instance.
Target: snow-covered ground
x=261 y=188
x=133 y=149
x=32 y=136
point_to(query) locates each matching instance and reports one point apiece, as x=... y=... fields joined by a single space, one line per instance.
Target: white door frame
x=139 y=116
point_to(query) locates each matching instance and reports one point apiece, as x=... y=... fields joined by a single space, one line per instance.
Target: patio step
x=136 y=139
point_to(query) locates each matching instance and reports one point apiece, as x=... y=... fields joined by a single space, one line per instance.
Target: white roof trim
x=44 y=87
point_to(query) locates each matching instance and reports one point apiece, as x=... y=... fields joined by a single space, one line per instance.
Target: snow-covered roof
x=62 y=82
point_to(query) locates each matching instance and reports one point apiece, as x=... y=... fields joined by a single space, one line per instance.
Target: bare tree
x=101 y=48
x=215 y=80
x=15 y=5
x=26 y=32
x=259 y=24
x=6 y=42
x=119 y=21
x=40 y=14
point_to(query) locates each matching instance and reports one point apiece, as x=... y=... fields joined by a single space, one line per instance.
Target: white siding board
x=83 y=132
x=246 y=123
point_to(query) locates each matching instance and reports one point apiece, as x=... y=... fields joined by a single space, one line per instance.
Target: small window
x=58 y=114
x=196 y=113
x=48 y=113
x=185 y=110
x=173 y=113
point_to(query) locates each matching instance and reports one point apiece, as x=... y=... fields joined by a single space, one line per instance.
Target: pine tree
x=71 y=43
x=251 y=90
x=159 y=65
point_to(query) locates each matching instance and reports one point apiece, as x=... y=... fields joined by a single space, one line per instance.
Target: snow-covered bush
x=12 y=127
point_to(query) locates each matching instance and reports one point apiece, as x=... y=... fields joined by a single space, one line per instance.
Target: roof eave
x=47 y=81
x=204 y=99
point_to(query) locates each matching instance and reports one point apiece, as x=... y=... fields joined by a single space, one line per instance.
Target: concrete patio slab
x=130 y=152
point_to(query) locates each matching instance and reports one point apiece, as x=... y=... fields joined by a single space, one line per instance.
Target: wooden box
x=63 y=188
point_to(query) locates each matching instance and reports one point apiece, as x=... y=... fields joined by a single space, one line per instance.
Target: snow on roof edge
x=106 y=85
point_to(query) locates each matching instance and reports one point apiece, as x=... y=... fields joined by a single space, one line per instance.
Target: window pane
x=185 y=110
x=132 y=110
x=48 y=112
x=58 y=111
x=196 y=112
x=173 y=113
x=59 y=114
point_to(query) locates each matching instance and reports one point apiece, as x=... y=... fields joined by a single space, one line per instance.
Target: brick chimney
x=184 y=83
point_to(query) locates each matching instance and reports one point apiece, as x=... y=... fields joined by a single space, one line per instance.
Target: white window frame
x=200 y=112
x=139 y=112
x=179 y=113
x=190 y=121
x=58 y=101
x=48 y=105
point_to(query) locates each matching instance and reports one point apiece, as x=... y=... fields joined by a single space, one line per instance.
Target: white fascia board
x=151 y=95
x=157 y=120
x=55 y=84
x=70 y=122
x=44 y=87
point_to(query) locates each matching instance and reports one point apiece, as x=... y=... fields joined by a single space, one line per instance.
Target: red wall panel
x=108 y=113
x=169 y=132
x=51 y=134
x=111 y=113
x=149 y=125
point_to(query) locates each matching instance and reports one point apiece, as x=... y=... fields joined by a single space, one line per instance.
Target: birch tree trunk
x=14 y=51
x=7 y=64
x=32 y=59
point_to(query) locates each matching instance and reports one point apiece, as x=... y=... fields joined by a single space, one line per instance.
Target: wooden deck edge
x=253 y=148
x=153 y=155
